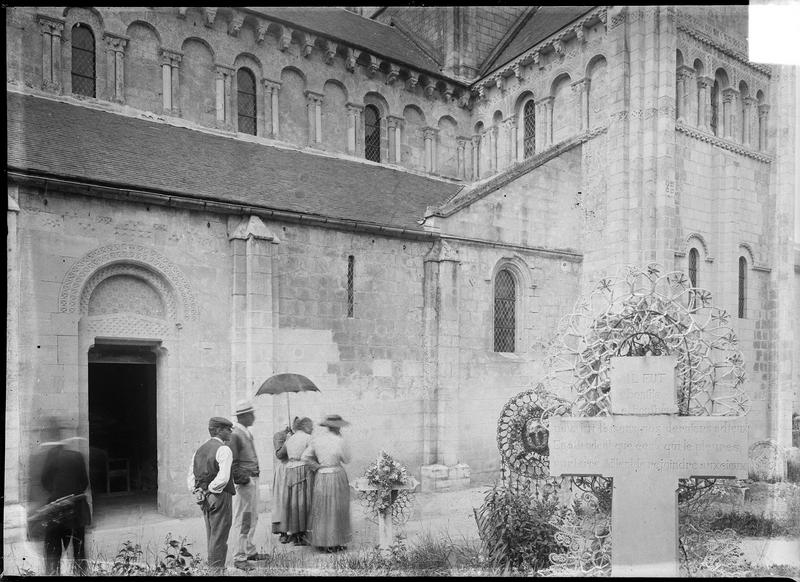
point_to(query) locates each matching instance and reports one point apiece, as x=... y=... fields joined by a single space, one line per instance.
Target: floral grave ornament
x=386 y=486
x=644 y=312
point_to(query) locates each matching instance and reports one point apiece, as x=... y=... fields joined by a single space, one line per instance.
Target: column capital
x=354 y=107
x=763 y=110
x=271 y=85
x=703 y=81
x=115 y=42
x=394 y=121
x=685 y=72
x=544 y=100
x=510 y=122
x=729 y=94
x=461 y=141
x=222 y=70
x=749 y=101
x=313 y=96
x=50 y=25
x=170 y=57
x=580 y=83
x=475 y=139
x=429 y=132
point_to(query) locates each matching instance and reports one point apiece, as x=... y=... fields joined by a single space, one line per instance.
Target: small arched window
x=505 y=304
x=372 y=133
x=693 y=256
x=715 y=108
x=529 y=128
x=83 y=61
x=246 y=100
x=742 y=287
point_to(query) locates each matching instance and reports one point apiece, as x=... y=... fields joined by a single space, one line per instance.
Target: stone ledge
x=444 y=478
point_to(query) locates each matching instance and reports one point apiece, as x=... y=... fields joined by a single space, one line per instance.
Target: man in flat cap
x=245 y=477
x=209 y=478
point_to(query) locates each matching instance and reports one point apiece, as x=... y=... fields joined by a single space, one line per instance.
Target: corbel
x=518 y=72
x=330 y=51
x=393 y=74
x=413 y=80
x=182 y=12
x=430 y=87
x=261 y=30
x=285 y=38
x=352 y=57
x=236 y=23
x=308 y=44
x=211 y=15
x=373 y=65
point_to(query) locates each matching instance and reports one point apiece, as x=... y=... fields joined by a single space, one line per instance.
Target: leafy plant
x=127 y=562
x=177 y=559
x=747 y=524
x=515 y=527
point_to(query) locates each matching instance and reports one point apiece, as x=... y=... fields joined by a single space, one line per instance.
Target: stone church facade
x=400 y=207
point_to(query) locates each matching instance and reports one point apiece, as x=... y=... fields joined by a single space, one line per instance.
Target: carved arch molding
x=128 y=259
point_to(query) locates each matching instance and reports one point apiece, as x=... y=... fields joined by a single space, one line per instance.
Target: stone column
x=13 y=502
x=491 y=133
x=170 y=62
x=685 y=78
x=747 y=125
x=461 y=142
x=430 y=133
x=224 y=81
x=254 y=320
x=271 y=89
x=476 y=156
x=441 y=371
x=544 y=121
x=704 y=85
x=353 y=126
x=763 y=111
x=395 y=125
x=115 y=72
x=51 y=30
x=729 y=112
x=581 y=87
x=510 y=142
x=314 y=109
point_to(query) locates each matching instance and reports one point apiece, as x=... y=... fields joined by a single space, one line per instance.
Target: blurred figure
x=279 y=525
x=67 y=513
x=245 y=474
x=209 y=479
x=299 y=482
x=330 y=506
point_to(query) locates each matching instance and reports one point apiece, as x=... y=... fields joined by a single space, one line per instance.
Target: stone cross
x=645 y=447
x=385 y=532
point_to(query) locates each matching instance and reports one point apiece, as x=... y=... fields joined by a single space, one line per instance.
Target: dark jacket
x=245 y=459
x=64 y=473
x=206 y=466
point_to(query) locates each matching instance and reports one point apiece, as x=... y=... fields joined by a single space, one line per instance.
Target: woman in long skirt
x=299 y=482
x=279 y=525
x=330 y=508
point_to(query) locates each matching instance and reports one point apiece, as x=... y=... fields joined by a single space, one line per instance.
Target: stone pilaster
x=395 y=125
x=581 y=89
x=729 y=113
x=686 y=89
x=51 y=30
x=704 y=85
x=461 y=143
x=763 y=112
x=115 y=66
x=747 y=120
x=476 y=156
x=223 y=78
x=509 y=142
x=354 y=111
x=254 y=319
x=13 y=502
x=314 y=110
x=430 y=134
x=544 y=122
x=170 y=81
x=441 y=468
x=271 y=92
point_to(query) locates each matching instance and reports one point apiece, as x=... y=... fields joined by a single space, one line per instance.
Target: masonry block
x=444 y=478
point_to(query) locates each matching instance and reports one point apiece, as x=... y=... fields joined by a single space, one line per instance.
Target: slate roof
x=70 y=141
x=546 y=21
x=354 y=30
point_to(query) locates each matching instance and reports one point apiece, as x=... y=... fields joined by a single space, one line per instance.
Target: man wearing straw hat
x=209 y=478
x=245 y=474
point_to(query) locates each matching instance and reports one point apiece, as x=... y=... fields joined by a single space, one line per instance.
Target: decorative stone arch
x=695 y=240
x=746 y=250
x=520 y=273
x=90 y=17
x=145 y=24
x=127 y=258
x=202 y=41
x=520 y=105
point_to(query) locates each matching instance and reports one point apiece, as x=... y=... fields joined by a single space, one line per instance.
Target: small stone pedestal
x=444 y=478
x=385 y=532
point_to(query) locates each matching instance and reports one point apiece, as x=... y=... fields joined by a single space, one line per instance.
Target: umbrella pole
x=288 y=411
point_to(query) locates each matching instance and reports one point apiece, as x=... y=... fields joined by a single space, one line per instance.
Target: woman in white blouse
x=330 y=508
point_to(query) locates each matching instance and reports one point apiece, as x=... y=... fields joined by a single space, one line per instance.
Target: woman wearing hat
x=330 y=507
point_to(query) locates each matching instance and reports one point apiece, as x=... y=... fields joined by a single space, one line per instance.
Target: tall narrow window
x=83 y=60
x=505 y=299
x=246 y=100
x=350 y=280
x=692 y=275
x=529 y=120
x=742 y=288
x=372 y=133
x=714 y=107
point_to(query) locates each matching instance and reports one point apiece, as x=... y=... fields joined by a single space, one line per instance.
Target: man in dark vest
x=209 y=478
x=245 y=473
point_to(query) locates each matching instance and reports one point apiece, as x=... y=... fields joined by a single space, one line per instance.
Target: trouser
x=56 y=539
x=218 y=516
x=246 y=512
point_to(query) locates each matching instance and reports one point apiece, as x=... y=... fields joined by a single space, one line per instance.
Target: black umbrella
x=285 y=383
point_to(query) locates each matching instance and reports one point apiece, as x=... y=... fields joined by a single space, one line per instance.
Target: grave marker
x=645 y=447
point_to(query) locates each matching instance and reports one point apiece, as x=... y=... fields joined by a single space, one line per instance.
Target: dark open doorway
x=122 y=424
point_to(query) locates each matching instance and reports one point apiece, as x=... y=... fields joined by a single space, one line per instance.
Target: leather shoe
x=243 y=565
x=258 y=557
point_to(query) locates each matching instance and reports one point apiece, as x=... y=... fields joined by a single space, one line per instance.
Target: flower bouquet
x=386 y=486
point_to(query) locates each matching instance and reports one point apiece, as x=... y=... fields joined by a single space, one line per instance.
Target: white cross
x=646 y=448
